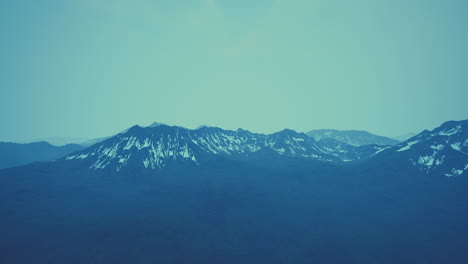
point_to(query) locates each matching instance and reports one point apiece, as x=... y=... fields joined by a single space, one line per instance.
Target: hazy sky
x=90 y=68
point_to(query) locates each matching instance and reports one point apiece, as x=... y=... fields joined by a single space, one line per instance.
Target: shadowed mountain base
x=232 y=212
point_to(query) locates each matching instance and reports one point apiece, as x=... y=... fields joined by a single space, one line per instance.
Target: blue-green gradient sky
x=91 y=68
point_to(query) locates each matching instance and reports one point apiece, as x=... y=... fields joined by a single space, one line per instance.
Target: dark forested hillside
x=232 y=212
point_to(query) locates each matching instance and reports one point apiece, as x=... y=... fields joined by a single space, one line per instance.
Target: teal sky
x=91 y=68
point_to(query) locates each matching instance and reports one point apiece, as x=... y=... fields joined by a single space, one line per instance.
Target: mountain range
x=155 y=147
x=327 y=146
x=158 y=145
x=352 y=137
x=168 y=194
x=442 y=150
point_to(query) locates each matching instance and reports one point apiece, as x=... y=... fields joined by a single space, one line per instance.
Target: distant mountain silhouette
x=57 y=141
x=15 y=154
x=352 y=137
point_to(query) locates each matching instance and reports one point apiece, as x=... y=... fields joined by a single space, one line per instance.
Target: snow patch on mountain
x=440 y=150
x=428 y=161
x=451 y=131
x=408 y=146
x=456 y=146
x=456 y=172
x=381 y=149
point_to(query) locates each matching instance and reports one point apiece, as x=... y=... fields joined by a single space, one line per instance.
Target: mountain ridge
x=18 y=154
x=156 y=147
x=159 y=145
x=443 y=150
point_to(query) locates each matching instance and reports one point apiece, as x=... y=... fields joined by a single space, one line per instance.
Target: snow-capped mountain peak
x=155 y=147
x=443 y=150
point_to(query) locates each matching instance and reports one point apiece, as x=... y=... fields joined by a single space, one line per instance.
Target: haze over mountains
x=352 y=137
x=405 y=136
x=249 y=161
x=58 y=141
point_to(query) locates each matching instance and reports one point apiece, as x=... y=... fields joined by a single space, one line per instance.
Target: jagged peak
x=155 y=147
